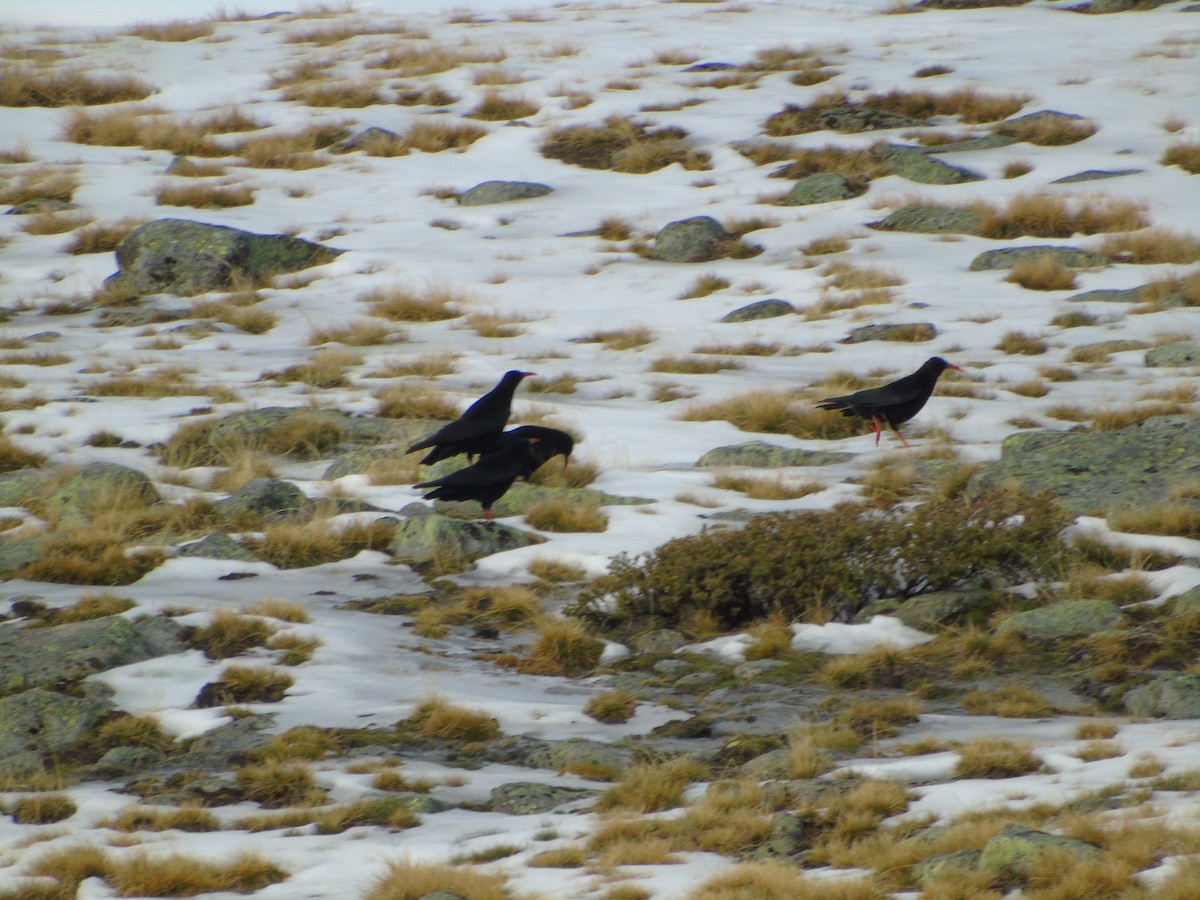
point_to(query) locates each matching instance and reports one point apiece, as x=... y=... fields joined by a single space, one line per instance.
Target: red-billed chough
x=476 y=429
x=550 y=443
x=489 y=478
x=895 y=403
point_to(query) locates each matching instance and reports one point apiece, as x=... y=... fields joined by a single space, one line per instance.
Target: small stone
x=502 y=192
x=1008 y=257
x=932 y=220
x=1065 y=619
x=911 y=331
x=822 y=187
x=1179 y=354
x=1175 y=696
x=698 y=239
x=760 y=309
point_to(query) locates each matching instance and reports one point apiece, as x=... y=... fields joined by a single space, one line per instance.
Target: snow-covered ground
x=1131 y=74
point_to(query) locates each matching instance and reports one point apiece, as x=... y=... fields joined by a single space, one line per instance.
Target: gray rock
x=914 y=164
x=987 y=142
x=710 y=67
x=696 y=679
x=926 y=612
x=1174 y=696
x=526 y=798
x=453 y=543
x=1091 y=473
x=272 y=498
x=1008 y=257
x=772 y=764
x=581 y=754
x=698 y=239
x=41 y=205
x=61 y=654
x=761 y=455
x=178 y=256
x=823 y=187
x=932 y=220
x=1179 y=354
x=1108 y=295
x=966 y=4
x=899 y=331
x=140 y=316
x=670 y=667
x=361 y=139
x=38 y=722
x=759 y=309
x=1016 y=850
x=864 y=118
x=935 y=866
x=216 y=546
x=754 y=668
x=663 y=640
x=1049 y=115
x=122 y=762
x=1095 y=175
x=98 y=484
x=1065 y=619
x=489 y=192
x=18 y=552
x=1187 y=603
x=1098 y=7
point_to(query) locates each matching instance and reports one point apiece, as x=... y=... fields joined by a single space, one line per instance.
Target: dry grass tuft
x=1186 y=156
x=28 y=86
x=102 y=237
x=204 y=196
x=230 y=634
x=1011 y=701
x=355 y=333
x=177 y=31
x=612 y=707
x=566 y=515
x=624 y=145
x=693 y=365
x=620 y=338
x=40 y=809
x=995 y=758
x=771 y=488
x=42 y=183
x=1045 y=273
x=402 y=303
x=405 y=880
x=158 y=818
x=775 y=412
x=1047 y=131
x=1152 y=246
x=437 y=717
x=650 y=787
x=1019 y=342
x=705 y=285
x=403 y=401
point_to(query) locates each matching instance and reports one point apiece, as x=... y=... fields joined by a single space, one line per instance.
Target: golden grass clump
x=101 y=237
x=693 y=365
x=437 y=717
x=133 y=731
x=405 y=401
x=355 y=333
x=623 y=145
x=294 y=545
x=650 y=787
x=620 y=338
x=405 y=880
x=562 y=646
x=230 y=634
x=705 y=285
x=565 y=514
x=506 y=607
x=13 y=457
x=497 y=107
x=161 y=818
x=995 y=758
x=177 y=31
x=1013 y=701
x=778 y=880
x=1047 y=131
x=279 y=783
x=296 y=150
x=40 y=809
x=554 y=570
x=334 y=94
x=1152 y=246
x=1170 y=517
x=89 y=606
x=1044 y=273
x=204 y=195
x=42 y=183
x=29 y=86
x=776 y=488
x=612 y=707
x=401 y=303
x=1020 y=342
x=1185 y=155
x=89 y=556
x=775 y=412
x=246 y=684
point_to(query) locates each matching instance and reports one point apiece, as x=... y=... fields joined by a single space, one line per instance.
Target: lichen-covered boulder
x=272 y=498
x=1095 y=175
x=61 y=654
x=38 y=722
x=937 y=866
x=1007 y=257
x=822 y=187
x=527 y=798
x=179 y=256
x=761 y=455
x=1092 y=472
x=220 y=545
x=897 y=331
x=1016 y=850
x=453 y=543
x=852 y=119
x=489 y=192
x=1065 y=619
x=986 y=142
x=1110 y=295
x=1178 y=354
x=760 y=309
x=1174 y=696
x=914 y=164
x=698 y=239
x=98 y=485
x=932 y=220
x=363 y=139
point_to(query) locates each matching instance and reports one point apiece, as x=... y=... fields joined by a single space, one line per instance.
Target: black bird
x=550 y=443
x=476 y=429
x=895 y=403
x=488 y=479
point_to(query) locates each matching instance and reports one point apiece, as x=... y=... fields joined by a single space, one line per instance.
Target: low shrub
x=828 y=564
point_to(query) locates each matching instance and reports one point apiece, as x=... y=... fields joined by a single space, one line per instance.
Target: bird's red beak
x=528 y=374
x=954 y=367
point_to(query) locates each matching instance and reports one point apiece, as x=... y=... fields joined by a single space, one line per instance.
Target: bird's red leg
x=488 y=514
x=902 y=440
x=875 y=427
